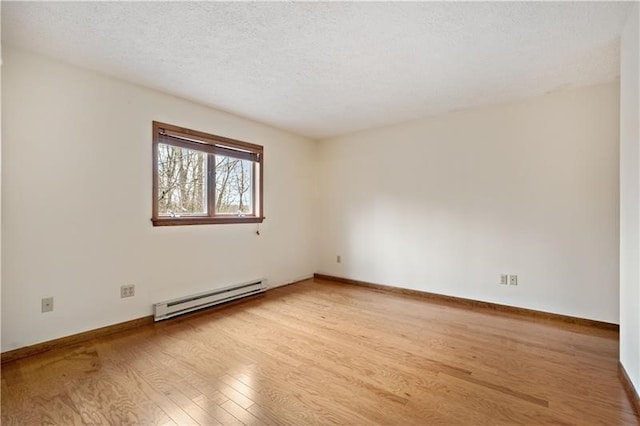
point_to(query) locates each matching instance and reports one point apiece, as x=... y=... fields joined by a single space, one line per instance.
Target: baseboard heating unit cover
x=194 y=302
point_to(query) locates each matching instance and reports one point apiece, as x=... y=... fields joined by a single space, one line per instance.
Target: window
x=200 y=178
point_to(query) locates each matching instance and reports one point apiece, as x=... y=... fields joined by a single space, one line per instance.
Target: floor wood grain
x=321 y=352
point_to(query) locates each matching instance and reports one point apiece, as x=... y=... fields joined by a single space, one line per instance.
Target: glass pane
x=234 y=186
x=182 y=184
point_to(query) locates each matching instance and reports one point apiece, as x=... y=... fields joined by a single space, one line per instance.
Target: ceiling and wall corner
x=322 y=69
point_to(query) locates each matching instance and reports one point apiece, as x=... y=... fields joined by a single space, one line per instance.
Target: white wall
x=630 y=199
x=443 y=204
x=76 y=176
x=447 y=204
x=0 y=177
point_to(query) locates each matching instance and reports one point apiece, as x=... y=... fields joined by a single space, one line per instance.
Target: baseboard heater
x=182 y=305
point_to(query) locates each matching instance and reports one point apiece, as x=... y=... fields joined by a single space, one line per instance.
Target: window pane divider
x=211 y=181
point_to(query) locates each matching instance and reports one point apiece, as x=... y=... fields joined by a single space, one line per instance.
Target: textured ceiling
x=325 y=69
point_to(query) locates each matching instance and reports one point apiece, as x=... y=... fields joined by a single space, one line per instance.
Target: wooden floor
x=327 y=353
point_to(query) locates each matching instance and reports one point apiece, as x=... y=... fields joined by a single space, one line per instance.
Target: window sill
x=180 y=221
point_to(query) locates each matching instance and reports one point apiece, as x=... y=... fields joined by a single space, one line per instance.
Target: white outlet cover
x=127 y=291
x=47 y=304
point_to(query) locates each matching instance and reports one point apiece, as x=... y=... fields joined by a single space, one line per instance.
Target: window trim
x=209 y=144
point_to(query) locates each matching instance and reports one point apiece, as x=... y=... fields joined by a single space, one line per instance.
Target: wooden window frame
x=210 y=145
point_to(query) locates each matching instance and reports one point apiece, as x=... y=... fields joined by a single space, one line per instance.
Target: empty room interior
x=291 y=213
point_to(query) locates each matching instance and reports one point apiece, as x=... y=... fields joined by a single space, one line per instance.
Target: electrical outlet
x=504 y=279
x=47 y=304
x=338 y=259
x=513 y=279
x=127 y=291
